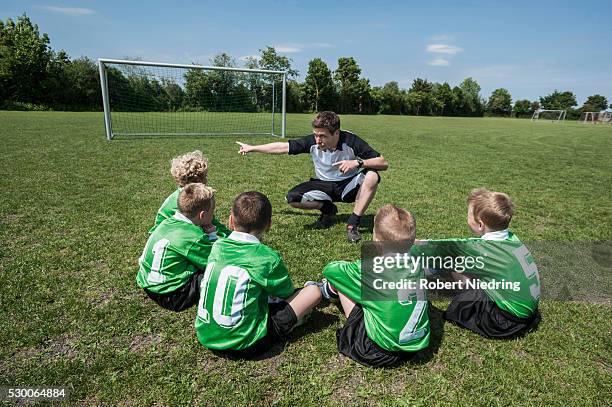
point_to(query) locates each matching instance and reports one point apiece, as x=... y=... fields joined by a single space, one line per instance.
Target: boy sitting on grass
x=235 y=317
x=506 y=304
x=384 y=331
x=176 y=254
x=188 y=168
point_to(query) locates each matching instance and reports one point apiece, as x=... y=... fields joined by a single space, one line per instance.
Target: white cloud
x=299 y=47
x=443 y=49
x=439 y=62
x=289 y=49
x=70 y=11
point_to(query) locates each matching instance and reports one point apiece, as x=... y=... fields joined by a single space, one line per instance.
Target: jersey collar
x=243 y=237
x=497 y=235
x=181 y=217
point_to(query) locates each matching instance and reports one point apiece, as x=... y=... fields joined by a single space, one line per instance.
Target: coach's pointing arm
x=279 y=147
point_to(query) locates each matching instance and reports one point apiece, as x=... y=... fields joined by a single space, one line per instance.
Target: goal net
x=155 y=99
x=552 y=115
x=596 y=117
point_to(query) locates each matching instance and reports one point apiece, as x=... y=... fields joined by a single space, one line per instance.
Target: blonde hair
x=189 y=167
x=195 y=198
x=393 y=223
x=494 y=209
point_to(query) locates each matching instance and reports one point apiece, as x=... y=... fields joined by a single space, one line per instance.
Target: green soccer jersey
x=233 y=308
x=176 y=249
x=170 y=207
x=401 y=324
x=506 y=268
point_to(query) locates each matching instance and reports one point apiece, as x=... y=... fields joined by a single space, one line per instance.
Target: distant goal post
x=164 y=99
x=601 y=117
x=546 y=114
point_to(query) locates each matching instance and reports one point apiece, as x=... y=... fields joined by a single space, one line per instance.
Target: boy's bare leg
x=304 y=301
x=347 y=304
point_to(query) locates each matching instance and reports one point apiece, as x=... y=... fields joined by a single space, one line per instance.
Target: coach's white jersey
x=350 y=146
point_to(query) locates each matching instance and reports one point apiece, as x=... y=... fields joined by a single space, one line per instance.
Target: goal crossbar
x=560 y=114
x=272 y=104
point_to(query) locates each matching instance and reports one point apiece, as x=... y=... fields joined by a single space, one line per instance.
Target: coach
x=346 y=170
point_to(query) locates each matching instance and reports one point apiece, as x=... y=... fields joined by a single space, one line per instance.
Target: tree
x=261 y=87
x=364 y=100
x=558 y=101
x=269 y=59
x=319 y=86
x=500 y=102
x=522 y=108
x=472 y=105
x=595 y=103
x=24 y=57
x=390 y=99
x=444 y=100
x=347 y=76
x=420 y=96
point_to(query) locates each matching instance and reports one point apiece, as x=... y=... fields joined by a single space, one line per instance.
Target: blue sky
x=530 y=48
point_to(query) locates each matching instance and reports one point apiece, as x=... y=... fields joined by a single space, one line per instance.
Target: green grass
x=74 y=213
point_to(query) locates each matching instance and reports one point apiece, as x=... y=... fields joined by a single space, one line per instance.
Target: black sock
x=354 y=219
x=327 y=208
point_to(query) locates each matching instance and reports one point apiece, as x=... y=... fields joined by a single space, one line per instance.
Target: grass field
x=75 y=210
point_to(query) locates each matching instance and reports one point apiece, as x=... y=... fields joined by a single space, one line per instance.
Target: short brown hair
x=189 y=167
x=494 y=209
x=252 y=212
x=327 y=120
x=393 y=223
x=195 y=198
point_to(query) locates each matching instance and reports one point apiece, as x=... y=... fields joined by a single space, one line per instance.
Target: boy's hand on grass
x=244 y=148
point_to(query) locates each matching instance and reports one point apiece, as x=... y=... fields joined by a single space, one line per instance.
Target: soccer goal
x=552 y=115
x=589 y=117
x=596 y=117
x=162 y=99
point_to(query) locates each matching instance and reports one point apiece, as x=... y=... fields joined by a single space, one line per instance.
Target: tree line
x=34 y=76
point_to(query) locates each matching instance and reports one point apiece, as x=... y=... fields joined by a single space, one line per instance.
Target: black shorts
x=353 y=342
x=474 y=310
x=183 y=297
x=281 y=321
x=334 y=191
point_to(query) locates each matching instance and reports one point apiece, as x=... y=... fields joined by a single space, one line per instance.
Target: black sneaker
x=325 y=220
x=352 y=234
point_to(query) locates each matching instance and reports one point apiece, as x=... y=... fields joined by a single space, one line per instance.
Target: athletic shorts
x=281 y=321
x=334 y=191
x=474 y=310
x=183 y=297
x=353 y=342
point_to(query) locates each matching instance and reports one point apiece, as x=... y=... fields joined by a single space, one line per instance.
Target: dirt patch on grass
x=100 y=300
x=520 y=353
x=12 y=219
x=347 y=390
x=64 y=346
x=142 y=343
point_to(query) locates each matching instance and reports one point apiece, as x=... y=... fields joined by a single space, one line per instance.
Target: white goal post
x=164 y=99
x=553 y=115
x=603 y=117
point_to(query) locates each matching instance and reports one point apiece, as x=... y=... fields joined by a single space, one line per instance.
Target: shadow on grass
x=318 y=321
x=436 y=326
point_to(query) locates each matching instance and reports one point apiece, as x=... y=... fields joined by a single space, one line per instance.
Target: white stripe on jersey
x=323 y=161
x=315 y=195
